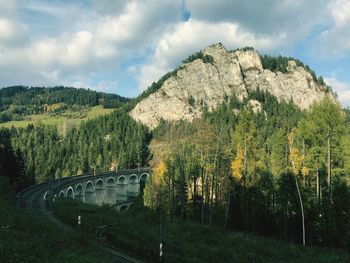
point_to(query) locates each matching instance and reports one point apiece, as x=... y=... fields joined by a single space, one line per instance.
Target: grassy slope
x=137 y=233
x=73 y=118
x=27 y=237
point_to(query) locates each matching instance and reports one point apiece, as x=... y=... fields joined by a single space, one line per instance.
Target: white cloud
x=96 y=41
x=341 y=88
x=335 y=40
x=12 y=33
x=53 y=76
x=187 y=37
x=340 y=10
x=263 y=16
x=72 y=42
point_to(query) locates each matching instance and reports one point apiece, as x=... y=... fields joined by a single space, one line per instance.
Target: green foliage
x=137 y=233
x=157 y=85
x=199 y=55
x=27 y=237
x=265 y=199
x=151 y=89
x=191 y=100
x=18 y=101
x=280 y=64
x=107 y=142
x=73 y=117
x=243 y=49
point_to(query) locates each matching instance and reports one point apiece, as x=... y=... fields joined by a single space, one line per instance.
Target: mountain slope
x=210 y=76
x=18 y=102
x=36 y=96
x=62 y=106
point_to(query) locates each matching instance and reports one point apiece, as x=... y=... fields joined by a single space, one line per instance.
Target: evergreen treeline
x=11 y=163
x=279 y=172
x=280 y=64
x=109 y=142
x=19 y=101
x=199 y=55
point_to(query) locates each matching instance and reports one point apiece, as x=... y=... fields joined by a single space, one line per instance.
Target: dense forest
x=19 y=101
x=105 y=143
x=279 y=172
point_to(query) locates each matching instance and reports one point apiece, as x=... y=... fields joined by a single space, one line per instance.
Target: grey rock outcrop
x=196 y=83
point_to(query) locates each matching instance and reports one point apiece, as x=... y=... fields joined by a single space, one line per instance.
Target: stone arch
x=79 y=190
x=133 y=179
x=61 y=194
x=46 y=195
x=111 y=182
x=144 y=177
x=122 y=180
x=99 y=184
x=70 y=192
x=89 y=187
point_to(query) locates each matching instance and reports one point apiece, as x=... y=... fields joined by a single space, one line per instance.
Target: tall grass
x=137 y=232
x=28 y=237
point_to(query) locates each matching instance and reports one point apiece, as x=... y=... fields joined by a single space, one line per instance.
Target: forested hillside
x=106 y=143
x=19 y=101
x=256 y=164
x=254 y=171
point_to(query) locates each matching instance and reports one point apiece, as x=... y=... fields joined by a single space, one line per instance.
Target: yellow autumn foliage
x=159 y=173
x=237 y=164
x=304 y=171
x=297 y=159
x=53 y=107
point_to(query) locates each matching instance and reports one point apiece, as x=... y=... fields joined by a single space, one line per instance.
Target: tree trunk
x=318 y=188
x=211 y=199
x=182 y=193
x=169 y=195
x=329 y=163
x=302 y=208
x=195 y=196
x=172 y=198
x=227 y=207
x=202 y=197
x=245 y=161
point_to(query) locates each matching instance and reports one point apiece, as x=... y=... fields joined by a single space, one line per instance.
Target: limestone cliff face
x=231 y=73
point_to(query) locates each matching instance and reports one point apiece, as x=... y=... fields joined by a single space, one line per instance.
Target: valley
x=245 y=151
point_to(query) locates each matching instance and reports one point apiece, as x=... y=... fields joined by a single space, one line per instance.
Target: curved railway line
x=34 y=198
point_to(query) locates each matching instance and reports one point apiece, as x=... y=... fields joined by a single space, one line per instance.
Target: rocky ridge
x=229 y=73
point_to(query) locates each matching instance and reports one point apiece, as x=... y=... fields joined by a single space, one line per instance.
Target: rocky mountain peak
x=215 y=73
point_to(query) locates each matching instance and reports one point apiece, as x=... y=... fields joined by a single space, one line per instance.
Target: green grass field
x=71 y=118
x=28 y=237
x=136 y=232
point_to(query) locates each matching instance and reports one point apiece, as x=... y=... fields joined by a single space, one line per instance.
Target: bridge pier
x=111 y=188
x=133 y=189
x=122 y=192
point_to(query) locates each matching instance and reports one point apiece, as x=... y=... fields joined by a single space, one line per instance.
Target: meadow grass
x=137 y=233
x=72 y=118
x=26 y=236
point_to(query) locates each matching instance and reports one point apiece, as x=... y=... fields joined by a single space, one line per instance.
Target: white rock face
x=232 y=73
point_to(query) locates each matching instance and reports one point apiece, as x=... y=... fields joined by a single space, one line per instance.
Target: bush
x=199 y=55
x=280 y=64
x=191 y=100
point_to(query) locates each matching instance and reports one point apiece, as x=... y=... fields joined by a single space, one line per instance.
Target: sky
x=123 y=46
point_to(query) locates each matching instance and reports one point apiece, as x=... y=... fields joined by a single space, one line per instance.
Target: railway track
x=33 y=198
